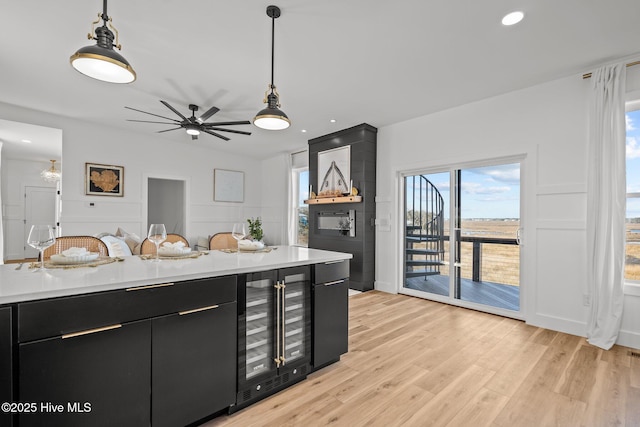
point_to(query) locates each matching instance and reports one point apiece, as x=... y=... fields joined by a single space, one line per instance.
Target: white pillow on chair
x=116 y=246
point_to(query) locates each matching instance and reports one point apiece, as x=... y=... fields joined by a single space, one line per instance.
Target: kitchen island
x=136 y=342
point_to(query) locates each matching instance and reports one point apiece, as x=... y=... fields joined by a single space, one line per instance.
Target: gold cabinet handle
x=91 y=331
x=196 y=310
x=141 y=288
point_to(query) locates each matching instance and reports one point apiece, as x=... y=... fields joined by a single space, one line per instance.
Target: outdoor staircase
x=424 y=230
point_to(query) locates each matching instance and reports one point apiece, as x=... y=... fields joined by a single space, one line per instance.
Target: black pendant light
x=100 y=61
x=272 y=118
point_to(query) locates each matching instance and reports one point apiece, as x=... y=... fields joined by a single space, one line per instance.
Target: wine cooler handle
x=277 y=356
x=282 y=319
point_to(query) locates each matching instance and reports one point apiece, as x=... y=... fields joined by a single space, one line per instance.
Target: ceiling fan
x=194 y=126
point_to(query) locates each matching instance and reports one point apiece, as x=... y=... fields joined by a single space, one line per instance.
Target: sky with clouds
x=487 y=192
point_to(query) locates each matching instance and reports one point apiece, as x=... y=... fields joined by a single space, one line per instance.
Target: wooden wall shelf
x=327 y=200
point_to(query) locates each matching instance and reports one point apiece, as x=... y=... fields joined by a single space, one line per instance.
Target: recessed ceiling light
x=333 y=120
x=512 y=18
x=26 y=141
x=304 y=131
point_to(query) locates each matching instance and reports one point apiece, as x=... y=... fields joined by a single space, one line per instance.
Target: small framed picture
x=228 y=186
x=104 y=180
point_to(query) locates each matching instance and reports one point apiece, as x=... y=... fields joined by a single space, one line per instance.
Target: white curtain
x=291 y=200
x=606 y=204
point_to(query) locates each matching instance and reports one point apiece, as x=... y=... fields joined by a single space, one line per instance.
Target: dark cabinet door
x=6 y=384
x=96 y=379
x=330 y=322
x=193 y=364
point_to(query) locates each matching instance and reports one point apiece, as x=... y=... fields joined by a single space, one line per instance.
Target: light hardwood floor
x=413 y=362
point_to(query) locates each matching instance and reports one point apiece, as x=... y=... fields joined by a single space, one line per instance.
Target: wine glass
x=40 y=238
x=157 y=234
x=239 y=232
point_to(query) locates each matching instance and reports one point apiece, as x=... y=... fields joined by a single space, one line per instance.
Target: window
x=299 y=217
x=632 y=249
x=301 y=179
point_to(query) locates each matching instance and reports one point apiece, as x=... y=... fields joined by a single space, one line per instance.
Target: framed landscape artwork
x=104 y=180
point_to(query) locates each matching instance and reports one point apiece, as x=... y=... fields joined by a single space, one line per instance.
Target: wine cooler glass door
x=259 y=324
x=297 y=319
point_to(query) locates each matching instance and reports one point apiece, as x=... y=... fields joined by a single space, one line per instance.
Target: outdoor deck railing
x=477 y=242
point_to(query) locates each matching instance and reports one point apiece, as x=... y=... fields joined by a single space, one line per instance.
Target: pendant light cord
x=273 y=32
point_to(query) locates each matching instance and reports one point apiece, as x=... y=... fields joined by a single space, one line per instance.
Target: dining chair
x=149 y=248
x=62 y=243
x=223 y=241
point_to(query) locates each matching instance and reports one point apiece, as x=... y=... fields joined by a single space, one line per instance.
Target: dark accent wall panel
x=362 y=140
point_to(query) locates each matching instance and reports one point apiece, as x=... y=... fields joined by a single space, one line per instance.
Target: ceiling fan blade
x=162 y=117
x=210 y=112
x=241 y=132
x=241 y=122
x=215 y=134
x=148 y=121
x=166 y=104
x=167 y=130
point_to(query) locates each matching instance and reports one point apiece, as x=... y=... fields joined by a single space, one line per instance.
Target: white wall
x=143 y=155
x=548 y=125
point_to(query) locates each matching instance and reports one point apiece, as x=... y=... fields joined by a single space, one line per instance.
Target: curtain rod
x=630 y=64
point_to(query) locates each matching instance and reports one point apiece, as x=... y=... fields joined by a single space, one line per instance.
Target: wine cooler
x=274 y=339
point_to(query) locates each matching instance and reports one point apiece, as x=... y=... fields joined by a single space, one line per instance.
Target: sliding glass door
x=461 y=236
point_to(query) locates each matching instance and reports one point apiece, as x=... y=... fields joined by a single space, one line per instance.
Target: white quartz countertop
x=27 y=284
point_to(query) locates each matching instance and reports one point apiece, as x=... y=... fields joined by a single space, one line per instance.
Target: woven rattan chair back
x=149 y=248
x=92 y=244
x=223 y=241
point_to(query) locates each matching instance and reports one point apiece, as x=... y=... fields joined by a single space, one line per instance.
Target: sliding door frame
x=526 y=188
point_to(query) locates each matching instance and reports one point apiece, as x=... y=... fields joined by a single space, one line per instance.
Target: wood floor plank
x=578 y=380
x=632 y=413
x=445 y=405
x=368 y=400
x=510 y=377
x=481 y=410
x=634 y=365
x=418 y=363
x=400 y=407
x=608 y=397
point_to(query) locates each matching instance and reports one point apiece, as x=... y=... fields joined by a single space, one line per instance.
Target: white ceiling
x=355 y=61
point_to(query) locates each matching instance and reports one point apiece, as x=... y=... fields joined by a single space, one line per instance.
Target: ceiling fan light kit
x=271 y=117
x=101 y=61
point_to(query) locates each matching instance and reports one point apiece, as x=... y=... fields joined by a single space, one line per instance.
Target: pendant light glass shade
x=51 y=174
x=101 y=61
x=271 y=117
